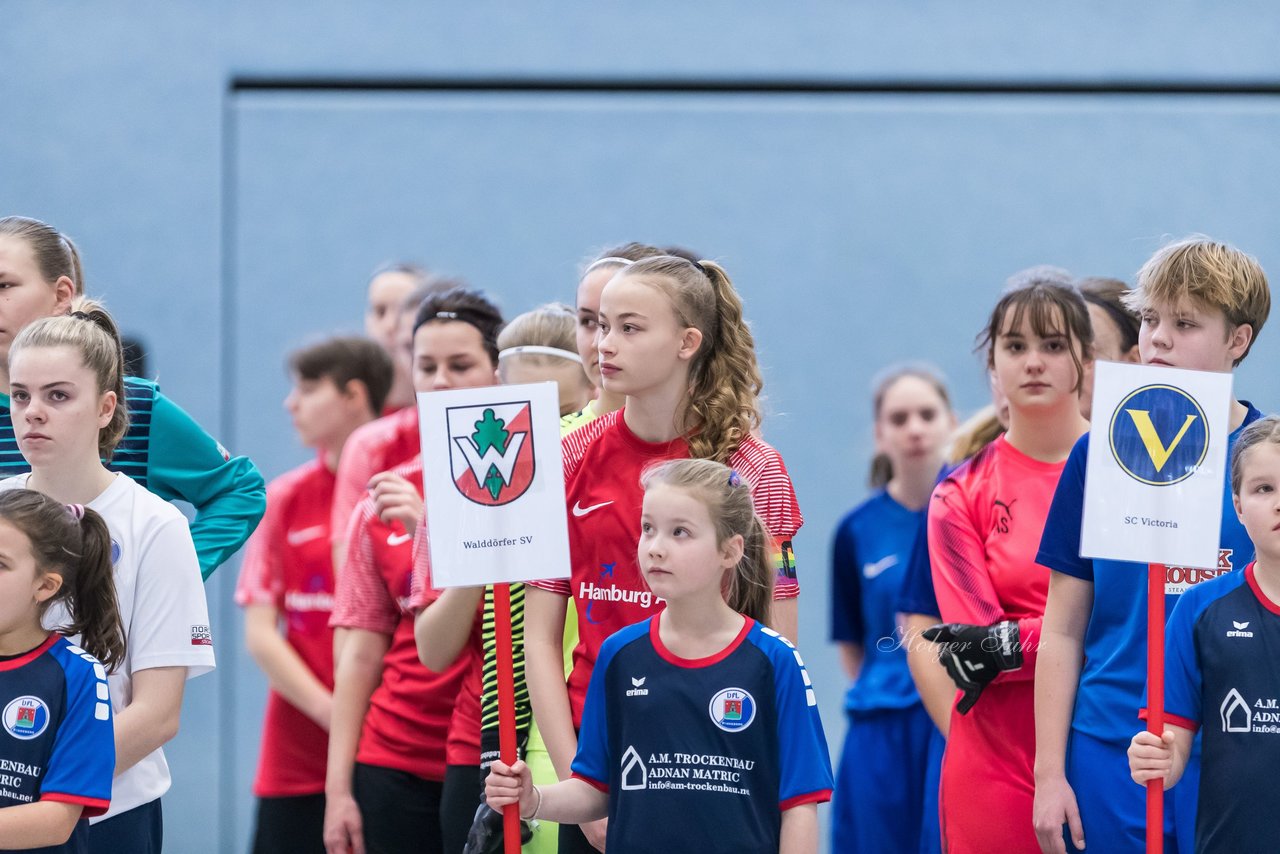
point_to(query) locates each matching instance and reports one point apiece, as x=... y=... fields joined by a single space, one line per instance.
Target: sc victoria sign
x=1157 y=466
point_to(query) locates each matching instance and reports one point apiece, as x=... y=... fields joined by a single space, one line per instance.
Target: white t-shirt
x=161 y=599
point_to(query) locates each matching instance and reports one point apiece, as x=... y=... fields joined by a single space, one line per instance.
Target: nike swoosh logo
x=304 y=535
x=398 y=539
x=579 y=510
x=871 y=570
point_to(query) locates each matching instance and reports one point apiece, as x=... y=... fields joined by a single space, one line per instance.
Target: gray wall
x=868 y=172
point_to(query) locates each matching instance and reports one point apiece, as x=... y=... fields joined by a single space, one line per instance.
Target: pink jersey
x=373 y=448
x=985 y=522
x=408 y=719
x=287 y=565
x=603 y=461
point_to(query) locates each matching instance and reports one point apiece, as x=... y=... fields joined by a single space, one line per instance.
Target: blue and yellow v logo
x=1156 y=449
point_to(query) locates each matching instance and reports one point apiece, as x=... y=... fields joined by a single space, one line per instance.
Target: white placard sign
x=494 y=481
x=1157 y=464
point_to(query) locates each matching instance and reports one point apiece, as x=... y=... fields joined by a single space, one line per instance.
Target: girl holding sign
x=404 y=741
x=674 y=342
x=760 y=744
x=985 y=521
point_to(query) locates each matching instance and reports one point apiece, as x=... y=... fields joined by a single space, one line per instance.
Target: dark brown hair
x=468 y=306
x=1108 y=295
x=55 y=253
x=344 y=359
x=1053 y=309
x=73 y=542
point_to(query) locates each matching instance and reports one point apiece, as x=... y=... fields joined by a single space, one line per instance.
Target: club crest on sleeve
x=1159 y=435
x=732 y=709
x=491 y=451
x=26 y=717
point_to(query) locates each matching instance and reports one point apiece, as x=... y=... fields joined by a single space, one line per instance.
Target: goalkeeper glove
x=975 y=655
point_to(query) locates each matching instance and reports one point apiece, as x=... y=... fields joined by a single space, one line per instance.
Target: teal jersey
x=167 y=452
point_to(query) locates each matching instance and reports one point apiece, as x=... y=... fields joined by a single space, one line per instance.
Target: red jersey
x=985 y=522
x=603 y=461
x=464 y=728
x=372 y=448
x=287 y=565
x=409 y=712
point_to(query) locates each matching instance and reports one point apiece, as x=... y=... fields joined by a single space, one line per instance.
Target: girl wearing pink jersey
x=985 y=521
x=674 y=343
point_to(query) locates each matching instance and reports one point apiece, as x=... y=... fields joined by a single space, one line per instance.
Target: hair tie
x=446 y=315
x=537 y=350
x=734 y=480
x=76 y=511
x=80 y=315
x=611 y=260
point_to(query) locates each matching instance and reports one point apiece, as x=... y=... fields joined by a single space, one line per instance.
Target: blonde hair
x=1211 y=273
x=55 y=253
x=724 y=378
x=551 y=325
x=90 y=330
x=981 y=429
x=748 y=588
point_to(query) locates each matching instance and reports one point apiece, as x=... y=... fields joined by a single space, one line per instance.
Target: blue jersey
x=1115 y=643
x=58 y=743
x=869 y=559
x=701 y=755
x=1222 y=673
x=167 y=452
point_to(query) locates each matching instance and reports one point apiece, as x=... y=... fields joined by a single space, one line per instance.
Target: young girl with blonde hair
x=724 y=748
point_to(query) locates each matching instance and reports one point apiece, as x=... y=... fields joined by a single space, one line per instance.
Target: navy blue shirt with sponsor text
x=701 y=755
x=56 y=736
x=1222 y=675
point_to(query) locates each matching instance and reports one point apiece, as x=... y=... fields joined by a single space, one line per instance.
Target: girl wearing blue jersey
x=57 y=744
x=700 y=731
x=878 y=804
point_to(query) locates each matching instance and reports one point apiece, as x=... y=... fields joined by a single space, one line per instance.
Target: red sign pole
x=1155 y=699
x=507 y=707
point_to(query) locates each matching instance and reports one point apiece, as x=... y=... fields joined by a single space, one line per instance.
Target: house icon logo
x=634 y=774
x=1236 y=716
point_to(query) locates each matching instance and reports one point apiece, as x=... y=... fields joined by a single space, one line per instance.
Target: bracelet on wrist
x=537 y=805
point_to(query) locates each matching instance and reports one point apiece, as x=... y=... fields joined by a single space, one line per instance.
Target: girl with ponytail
x=705 y=551
x=55 y=565
x=67 y=387
x=165 y=449
x=673 y=342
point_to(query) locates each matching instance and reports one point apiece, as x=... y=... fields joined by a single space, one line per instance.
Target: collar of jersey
x=671 y=658
x=28 y=657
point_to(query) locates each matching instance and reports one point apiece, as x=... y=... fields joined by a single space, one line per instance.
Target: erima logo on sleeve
x=1159 y=435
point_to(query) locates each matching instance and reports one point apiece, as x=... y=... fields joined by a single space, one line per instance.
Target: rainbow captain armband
x=784 y=561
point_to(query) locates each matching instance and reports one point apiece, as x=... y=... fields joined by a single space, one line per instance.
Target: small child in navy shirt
x=57 y=752
x=1222 y=672
x=700 y=730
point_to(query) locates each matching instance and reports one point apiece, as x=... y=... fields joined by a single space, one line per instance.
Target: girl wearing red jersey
x=286 y=582
x=673 y=341
x=402 y=757
x=985 y=521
